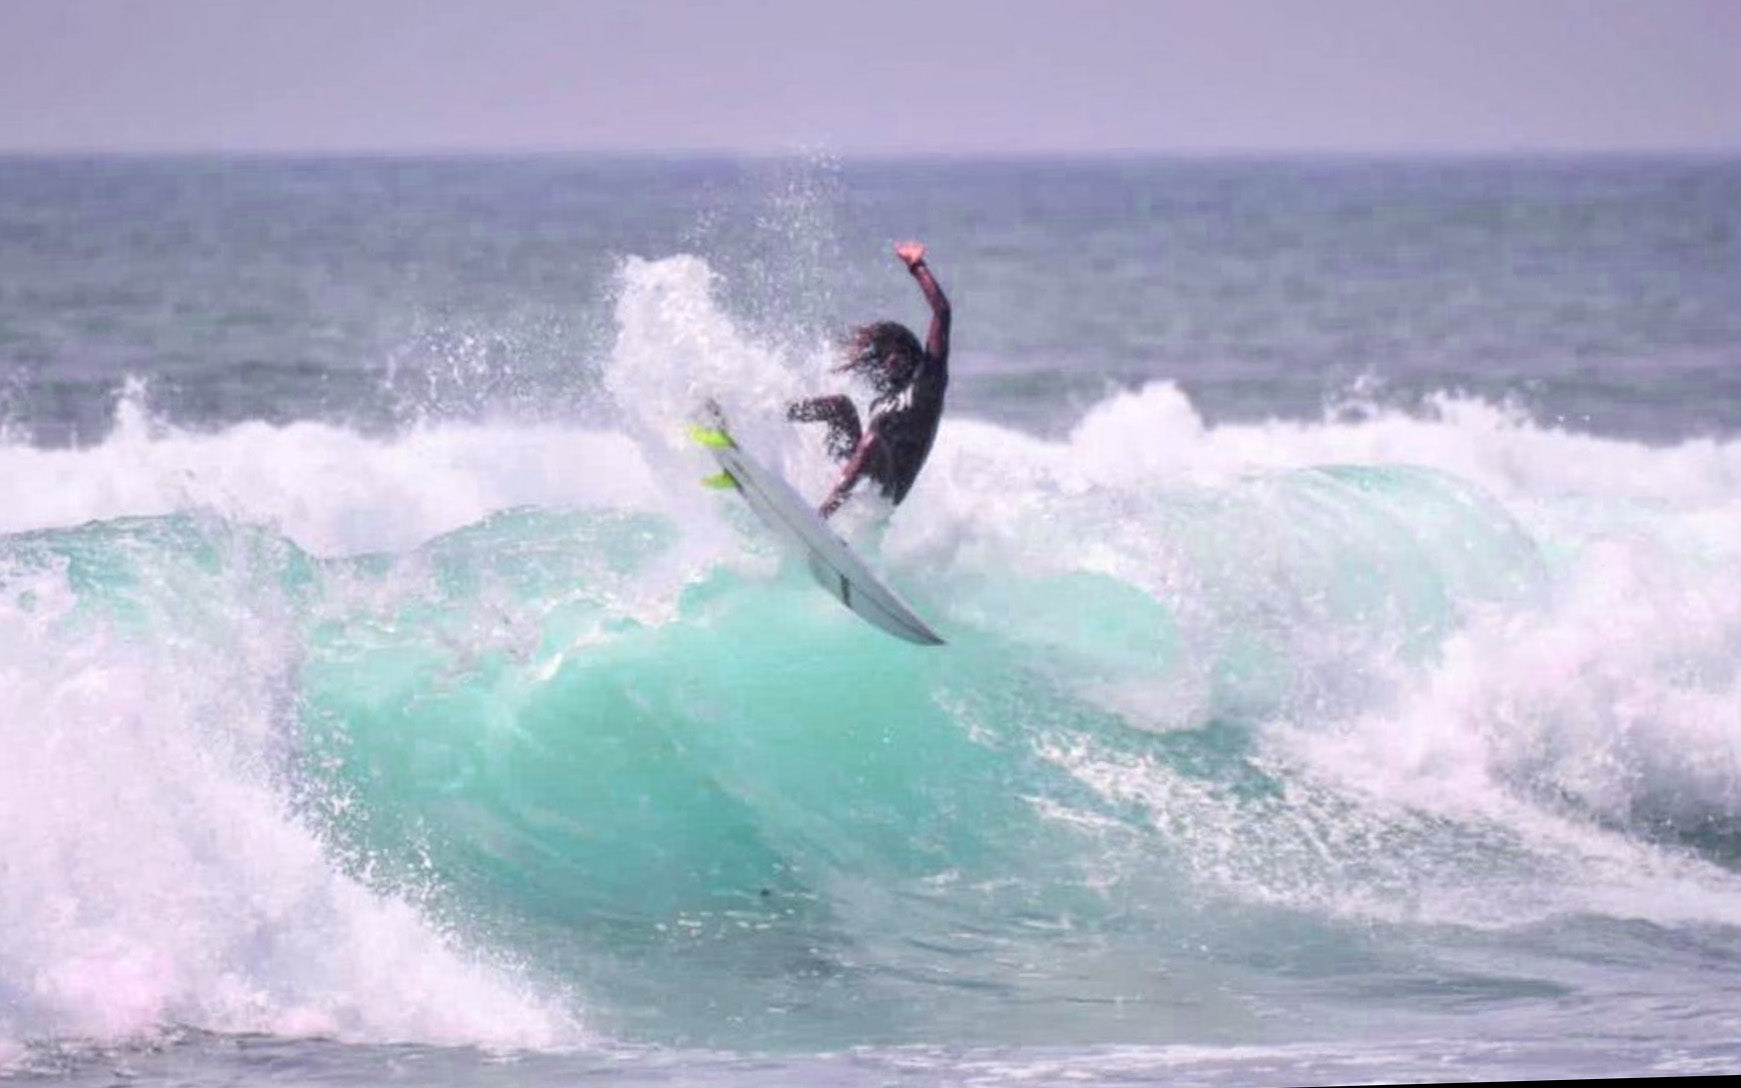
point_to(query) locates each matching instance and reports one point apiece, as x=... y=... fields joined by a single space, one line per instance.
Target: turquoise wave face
x=752 y=787
x=694 y=795
x=702 y=794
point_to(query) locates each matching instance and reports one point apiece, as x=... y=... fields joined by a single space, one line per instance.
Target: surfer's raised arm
x=937 y=340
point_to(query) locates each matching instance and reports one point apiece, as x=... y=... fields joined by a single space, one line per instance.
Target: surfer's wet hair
x=885 y=353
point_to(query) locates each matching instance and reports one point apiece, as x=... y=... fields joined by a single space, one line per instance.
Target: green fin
x=714 y=438
x=720 y=480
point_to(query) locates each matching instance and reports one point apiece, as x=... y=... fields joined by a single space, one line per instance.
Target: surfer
x=909 y=380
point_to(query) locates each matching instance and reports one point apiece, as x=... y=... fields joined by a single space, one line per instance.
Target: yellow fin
x=712 y=437
x=720 y=480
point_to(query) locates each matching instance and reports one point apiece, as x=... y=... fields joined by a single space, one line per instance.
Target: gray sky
x=870 y=76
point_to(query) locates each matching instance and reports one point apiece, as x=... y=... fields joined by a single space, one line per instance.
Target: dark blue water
x=1336 y=559
x=1601 y=292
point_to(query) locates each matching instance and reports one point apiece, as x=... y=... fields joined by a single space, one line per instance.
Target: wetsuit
x=903 y=423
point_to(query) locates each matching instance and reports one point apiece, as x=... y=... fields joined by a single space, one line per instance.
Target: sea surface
x=1340 y=562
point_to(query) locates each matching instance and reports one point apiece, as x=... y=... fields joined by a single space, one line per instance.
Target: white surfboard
x=832 y=563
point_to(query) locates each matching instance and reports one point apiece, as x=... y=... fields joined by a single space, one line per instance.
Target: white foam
x=1568 y=724
x=331 y=490
x=152 y=872
x=1621 y=699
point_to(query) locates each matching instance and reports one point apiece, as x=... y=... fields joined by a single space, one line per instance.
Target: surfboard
x=832 y=563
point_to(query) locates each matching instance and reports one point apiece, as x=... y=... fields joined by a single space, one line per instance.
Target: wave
x=512 y=734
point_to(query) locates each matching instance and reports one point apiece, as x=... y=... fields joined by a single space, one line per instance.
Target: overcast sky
x=870 y=76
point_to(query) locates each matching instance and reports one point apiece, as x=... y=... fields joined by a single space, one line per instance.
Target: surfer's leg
x=841 y=416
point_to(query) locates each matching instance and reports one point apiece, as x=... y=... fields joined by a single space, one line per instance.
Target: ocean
x=1338 y=559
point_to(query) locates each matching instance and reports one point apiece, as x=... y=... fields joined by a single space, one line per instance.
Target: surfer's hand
x=910 y=253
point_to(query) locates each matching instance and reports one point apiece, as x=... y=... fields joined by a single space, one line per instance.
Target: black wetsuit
x=903 y=424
